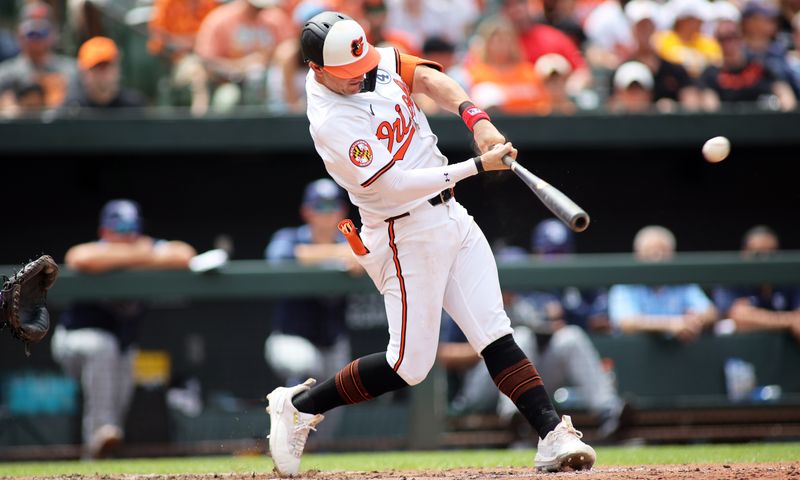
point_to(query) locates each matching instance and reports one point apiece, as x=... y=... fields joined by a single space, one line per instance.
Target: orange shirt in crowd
x=514 y=89
x=177 y=17
x=229 y=32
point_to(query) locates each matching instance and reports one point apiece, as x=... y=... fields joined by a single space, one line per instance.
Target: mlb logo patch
x=360 y=153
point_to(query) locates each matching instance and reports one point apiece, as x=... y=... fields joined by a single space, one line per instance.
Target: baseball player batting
x=421 y=248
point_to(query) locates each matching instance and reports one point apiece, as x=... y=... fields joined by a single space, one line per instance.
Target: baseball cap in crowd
x=638 y=10
x=339 y=45
x=699 y=9
x=755 y=7
x=35 y=29
x=551 y=237
x=121 y=216
x=95 y=51
x=724 y=10
x=323 y=195
x=552 y=63
x=633 y=72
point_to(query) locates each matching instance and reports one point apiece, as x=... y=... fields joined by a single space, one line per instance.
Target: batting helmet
x=338 y=44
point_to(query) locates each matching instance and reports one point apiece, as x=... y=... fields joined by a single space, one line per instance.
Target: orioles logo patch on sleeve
x=357 y=46
x=360 y=153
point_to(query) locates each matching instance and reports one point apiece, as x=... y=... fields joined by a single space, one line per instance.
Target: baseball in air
x=716 y=149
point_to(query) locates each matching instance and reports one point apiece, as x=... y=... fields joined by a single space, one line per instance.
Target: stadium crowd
x=526 y=57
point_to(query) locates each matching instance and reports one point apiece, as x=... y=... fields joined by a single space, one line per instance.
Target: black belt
x=443 y=197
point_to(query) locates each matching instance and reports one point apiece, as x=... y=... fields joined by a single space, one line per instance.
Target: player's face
x=342 y=86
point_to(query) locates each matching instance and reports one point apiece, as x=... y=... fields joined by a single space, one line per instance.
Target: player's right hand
x=493 y=159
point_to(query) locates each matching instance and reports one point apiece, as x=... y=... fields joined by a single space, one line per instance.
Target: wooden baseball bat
x=565 y=209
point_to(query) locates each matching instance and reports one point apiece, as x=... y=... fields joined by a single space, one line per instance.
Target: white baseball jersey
x=361 y=137
x=422 y=257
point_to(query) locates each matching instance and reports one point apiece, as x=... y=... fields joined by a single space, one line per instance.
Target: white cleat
x=289 y=428
x=562 y=450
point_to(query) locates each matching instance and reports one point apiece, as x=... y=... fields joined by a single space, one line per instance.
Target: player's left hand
x=486 y=135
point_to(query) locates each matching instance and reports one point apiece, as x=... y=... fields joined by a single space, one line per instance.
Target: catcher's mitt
x=23 y=306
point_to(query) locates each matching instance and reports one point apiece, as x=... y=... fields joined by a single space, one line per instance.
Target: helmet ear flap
x=312 y=38
x=370 y=79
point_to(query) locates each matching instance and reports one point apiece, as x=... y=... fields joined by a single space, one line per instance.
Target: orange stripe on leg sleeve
x=518 y=379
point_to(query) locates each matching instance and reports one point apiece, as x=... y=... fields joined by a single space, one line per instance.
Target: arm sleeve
x=697 y=300
x=402 y=186
x=407 y=64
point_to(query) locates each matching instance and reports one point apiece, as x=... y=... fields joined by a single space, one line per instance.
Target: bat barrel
x=579 y=222
x=562 y=206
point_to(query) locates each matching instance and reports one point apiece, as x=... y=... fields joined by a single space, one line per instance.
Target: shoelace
x=298 y=440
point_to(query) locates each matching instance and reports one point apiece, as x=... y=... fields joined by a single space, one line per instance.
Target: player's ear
x=315 y=67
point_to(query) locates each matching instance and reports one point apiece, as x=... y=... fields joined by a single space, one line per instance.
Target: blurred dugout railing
x=257 y=279
x=679 y=389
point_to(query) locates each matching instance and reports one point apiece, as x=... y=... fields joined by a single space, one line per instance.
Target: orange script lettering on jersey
x=397 y=131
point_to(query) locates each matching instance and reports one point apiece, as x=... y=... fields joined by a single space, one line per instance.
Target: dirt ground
x=760 y=471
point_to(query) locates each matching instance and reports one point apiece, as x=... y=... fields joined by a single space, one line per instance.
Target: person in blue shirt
x=309 y=336
x=585 y=307
x=762 y=307
x=95 y=341
x=681 y=311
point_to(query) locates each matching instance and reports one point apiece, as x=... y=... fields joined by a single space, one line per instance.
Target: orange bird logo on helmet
x=357 y=47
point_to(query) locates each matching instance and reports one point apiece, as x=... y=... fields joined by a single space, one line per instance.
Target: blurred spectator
x=564 y=353
x=759 y=29
x=787 y=21
x=173 y=29
x=499 y=77
x=95 y=341
x=609 y=38
x=30 y=97
x=309 y=336
x=587 y=308
x=632 y=89
x=85 y=18
x=672 y=85
x=441 y=51
x=422 y=19
x=100 y=85
x=538 y=40
x=554 y=71
x=793 y=57
x=287 y=75
x=8 y=44
x=560 y=14
x=36 y=62
x=680 y=311
x=236 y=42
x=380 y=34
x=685 y=43
x=764 y=307
x=742 y=78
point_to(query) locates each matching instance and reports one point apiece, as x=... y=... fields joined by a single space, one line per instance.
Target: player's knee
x=415 y=372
